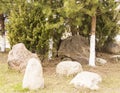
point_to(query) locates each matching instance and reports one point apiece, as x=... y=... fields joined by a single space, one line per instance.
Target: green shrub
x=27 y=25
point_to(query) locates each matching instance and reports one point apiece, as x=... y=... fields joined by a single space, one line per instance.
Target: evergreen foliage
x=27 y=25
x=79 y=15
x=35 y=22
x=107 y=27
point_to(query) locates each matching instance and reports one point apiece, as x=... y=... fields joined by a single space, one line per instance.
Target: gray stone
x=33 y=77
x=101 y=61
x=114 y=47
x=68 y=68
x=115 y=58
x=86 y=79
x=76 y=48
x=18 y=57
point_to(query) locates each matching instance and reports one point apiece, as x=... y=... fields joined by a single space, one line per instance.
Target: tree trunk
x=50 y=54
x=92 y=42
x=3 y=44
x=2 y=29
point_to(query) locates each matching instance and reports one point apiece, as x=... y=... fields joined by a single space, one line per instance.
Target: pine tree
x=34 y=23
x=27 y=22
x=37 y=21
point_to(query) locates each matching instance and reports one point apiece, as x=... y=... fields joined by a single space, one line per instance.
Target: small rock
x=115 y=58
x=101 y=61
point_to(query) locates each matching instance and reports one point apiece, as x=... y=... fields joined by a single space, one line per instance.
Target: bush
x=27 y=25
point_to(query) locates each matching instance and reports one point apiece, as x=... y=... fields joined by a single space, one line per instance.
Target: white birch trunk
x=92 y=42
x=50 y=48
x=92 y=51
x=3 y=44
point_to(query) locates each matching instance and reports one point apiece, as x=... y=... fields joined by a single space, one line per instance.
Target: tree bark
x=2 y=29
x=92 y=42
x=50 y=54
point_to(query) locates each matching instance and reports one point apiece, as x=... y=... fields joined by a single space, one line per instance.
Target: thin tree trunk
x=50 y=54
x=3 y=44
x=92 y=42
x=2 y=29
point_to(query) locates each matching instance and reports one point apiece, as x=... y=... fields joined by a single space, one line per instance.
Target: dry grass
x=11 y=81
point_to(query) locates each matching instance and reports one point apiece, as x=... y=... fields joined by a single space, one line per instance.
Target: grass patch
x=11 y=81
x=111 y=82
x=18 y=88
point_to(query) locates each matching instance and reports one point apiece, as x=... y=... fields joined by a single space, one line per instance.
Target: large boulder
x=76 y=48
x=114 y=47
x=33 y=77
x=19 y=56
x=68 y=68
x=86 y=79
